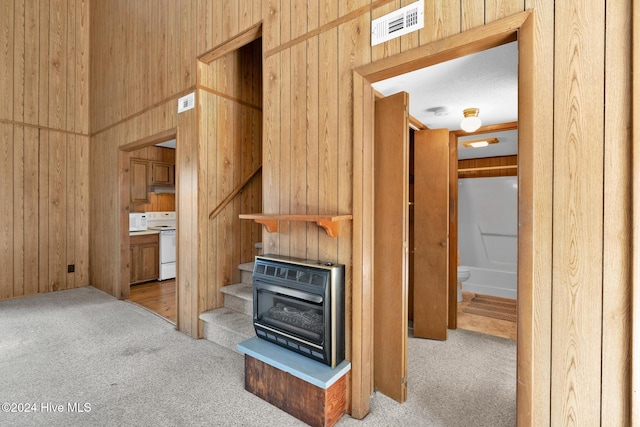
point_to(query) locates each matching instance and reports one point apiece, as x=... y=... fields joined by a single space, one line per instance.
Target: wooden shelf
x=330 y=223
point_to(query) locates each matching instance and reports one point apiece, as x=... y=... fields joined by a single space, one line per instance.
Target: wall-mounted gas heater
x=398 y=23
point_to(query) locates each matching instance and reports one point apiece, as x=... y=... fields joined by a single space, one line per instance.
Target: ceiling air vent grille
x=397 y=23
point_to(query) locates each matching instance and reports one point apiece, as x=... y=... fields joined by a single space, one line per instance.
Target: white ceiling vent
x=187 y=102
x=397 y=23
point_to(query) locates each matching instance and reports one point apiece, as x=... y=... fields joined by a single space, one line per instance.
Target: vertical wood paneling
x=286 y=173
x=224 y=169
x=616 y=315
x=442 y=19
x=173 y=49
x=81 y=212
x=313 y=18
x=43 y=219
x=271 y=148
x=6 y=58
x=298 y=147
x=329 y=10
x=31 y=61
x=46 y=214
x=58 y=67
x=578 y=214
x=70 y=61
x=230 y=21
x=57 y=211
x=496 y=9
x=471 y=14
x=187 y=201
x=210 y=109
x=313 y=134
x=299 y=18
x=18 y=210
x=285 y=21
x=31 y=211
x=43 y=80
x=328 y=137
x=271 y=32
x=6 y=209
x=187 y=42
x=19 y=43
x=70 y=217
x=81 y=104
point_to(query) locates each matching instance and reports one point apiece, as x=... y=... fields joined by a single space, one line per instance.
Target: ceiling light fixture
x=471 y=122
x=476 y=143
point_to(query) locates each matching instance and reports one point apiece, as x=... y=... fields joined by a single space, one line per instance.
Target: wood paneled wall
x=44 y=146
x=143 y=58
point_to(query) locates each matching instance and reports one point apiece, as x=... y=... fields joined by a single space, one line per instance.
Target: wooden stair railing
x=223 y=204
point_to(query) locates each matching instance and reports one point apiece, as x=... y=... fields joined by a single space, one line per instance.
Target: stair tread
x=239 y=290
x=247 y=266
x=230 y=320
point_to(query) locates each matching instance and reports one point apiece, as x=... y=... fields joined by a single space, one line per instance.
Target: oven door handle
x=292 y=293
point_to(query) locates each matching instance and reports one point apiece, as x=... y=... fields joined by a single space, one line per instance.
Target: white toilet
x=463 y=275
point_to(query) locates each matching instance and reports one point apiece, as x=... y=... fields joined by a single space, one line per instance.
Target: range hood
x=162 y=189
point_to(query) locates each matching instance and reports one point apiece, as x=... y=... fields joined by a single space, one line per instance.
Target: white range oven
x=165 y=222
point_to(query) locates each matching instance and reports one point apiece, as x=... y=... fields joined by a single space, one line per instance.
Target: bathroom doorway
x=463 y=45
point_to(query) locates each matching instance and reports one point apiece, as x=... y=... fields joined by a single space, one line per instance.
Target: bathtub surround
x=488 y=234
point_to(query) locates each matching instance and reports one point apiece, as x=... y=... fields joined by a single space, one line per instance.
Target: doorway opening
x=490 y=36
x=148 y=224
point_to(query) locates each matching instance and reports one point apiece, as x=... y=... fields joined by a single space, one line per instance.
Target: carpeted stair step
x=227 y=327
x=246 y=272
x=239 y=297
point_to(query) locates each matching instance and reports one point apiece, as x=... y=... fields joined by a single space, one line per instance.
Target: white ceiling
x=487 y=80
x=167 y=144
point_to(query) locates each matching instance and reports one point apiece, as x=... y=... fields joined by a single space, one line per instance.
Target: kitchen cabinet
x=139 y=181
x=145 y=257
x=162 y=173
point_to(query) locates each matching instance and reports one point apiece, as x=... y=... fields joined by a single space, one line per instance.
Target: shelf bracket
x=331 y=227
x=270 y=224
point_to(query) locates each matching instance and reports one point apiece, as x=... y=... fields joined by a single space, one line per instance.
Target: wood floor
x=483 y=324
x=159 y=297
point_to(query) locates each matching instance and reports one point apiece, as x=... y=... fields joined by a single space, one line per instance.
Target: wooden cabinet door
x=162 y=173
x=431 y=233
x=145 y=258
x=139 y=182
x=149 y=261
x=391 y=262
x=134 y=263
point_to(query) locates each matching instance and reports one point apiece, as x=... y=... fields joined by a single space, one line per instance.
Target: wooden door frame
x=124 y=155
x=635 y=244
x=533 y=373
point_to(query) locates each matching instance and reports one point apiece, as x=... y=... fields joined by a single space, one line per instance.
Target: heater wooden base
x=308 y=390
x=307 y=402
